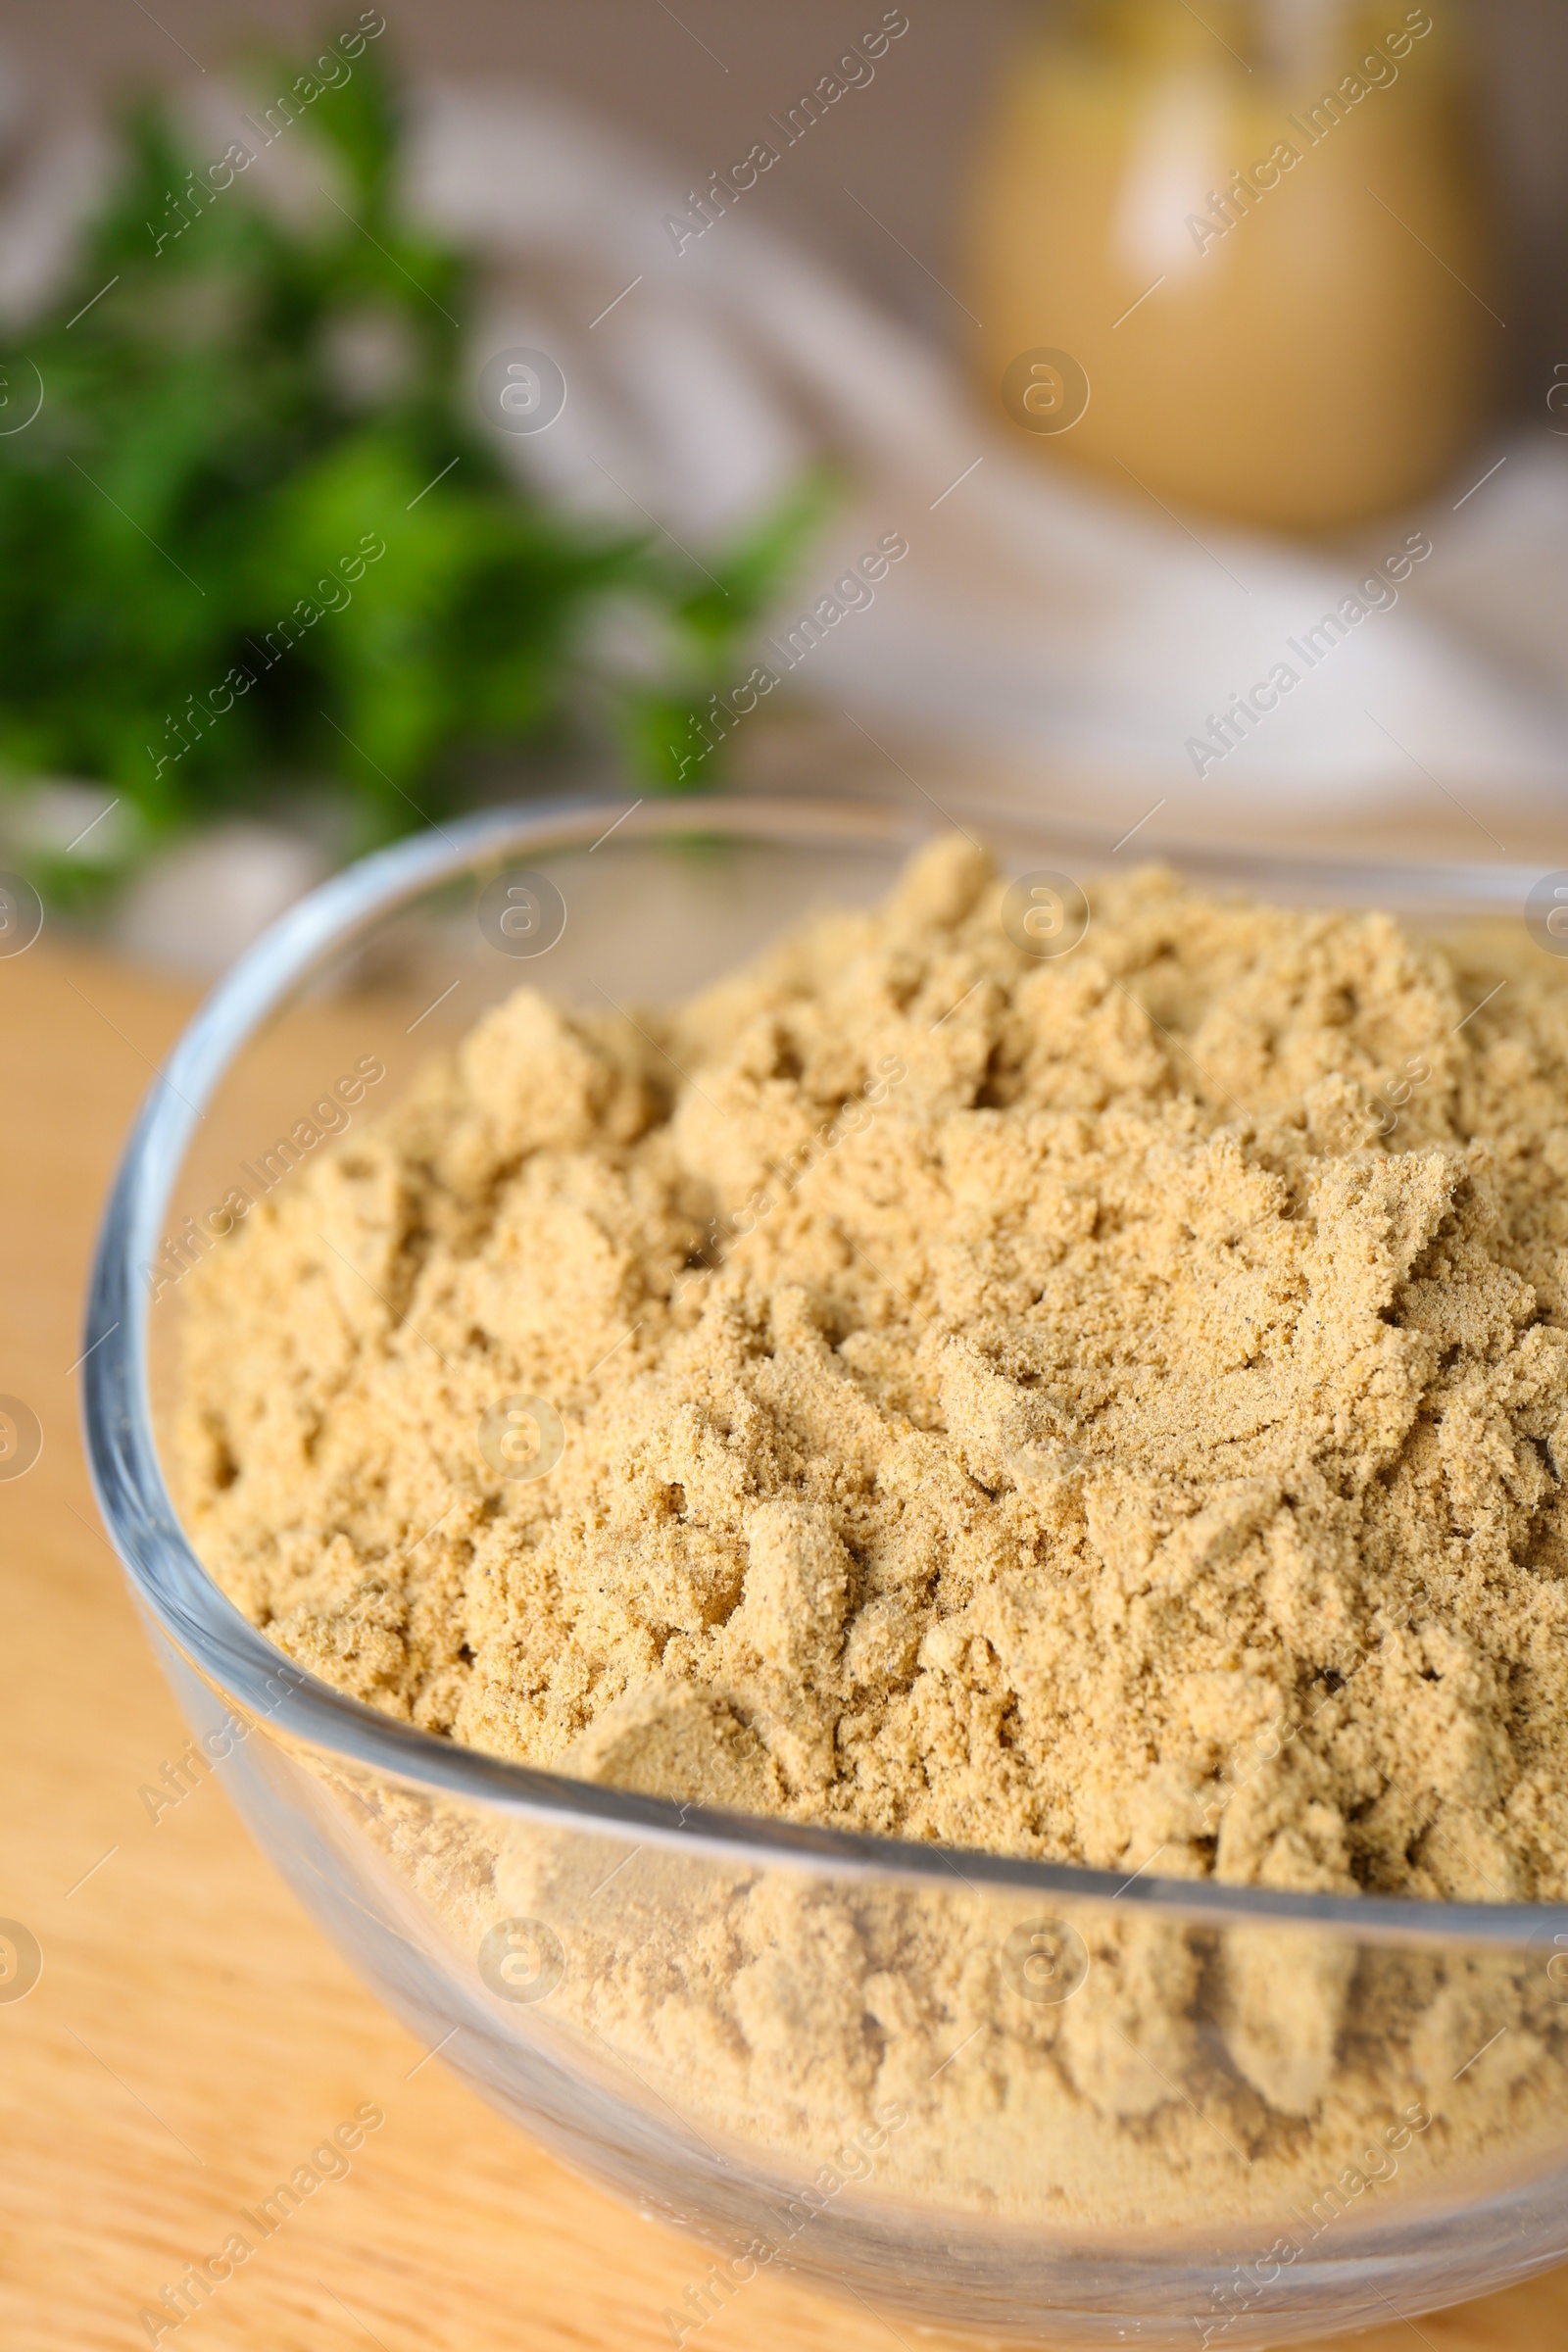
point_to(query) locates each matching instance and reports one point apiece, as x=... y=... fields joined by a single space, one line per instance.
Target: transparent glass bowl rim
x=185 y=1600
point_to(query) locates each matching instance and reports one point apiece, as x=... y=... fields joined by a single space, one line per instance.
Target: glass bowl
x=978 y=2093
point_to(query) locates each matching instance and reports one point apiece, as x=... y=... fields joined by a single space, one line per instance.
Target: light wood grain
x=192 y=2036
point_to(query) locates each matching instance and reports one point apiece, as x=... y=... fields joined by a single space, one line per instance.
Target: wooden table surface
x=192 y=2036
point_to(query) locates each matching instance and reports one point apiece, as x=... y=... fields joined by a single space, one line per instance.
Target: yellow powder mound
x=1106 y=1409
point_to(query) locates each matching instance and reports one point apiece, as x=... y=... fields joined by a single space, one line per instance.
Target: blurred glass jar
x=1242 y=255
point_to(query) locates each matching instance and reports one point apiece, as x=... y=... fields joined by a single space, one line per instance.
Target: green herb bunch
x=256 y=537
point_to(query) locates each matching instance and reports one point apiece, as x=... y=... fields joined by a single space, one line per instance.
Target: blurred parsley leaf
x=240 y=405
